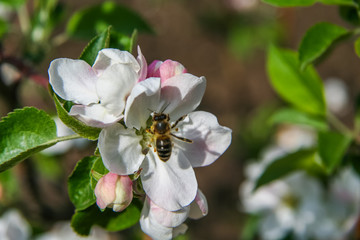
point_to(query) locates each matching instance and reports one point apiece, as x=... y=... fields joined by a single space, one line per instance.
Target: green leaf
x=95 y=45
x=3 y=28
x=349 y=14
x=10 y=187
x=339 y=2
x=123 y=42
x=357 y=115
x=357 y=47
x=85 y=131
x=25 y=132
x=250 y=227
x=82 y=221
x=300 y=160
x=293 y=116
x=79 y=184
x=303 y=89
x=13 y=3
x=290 y=3
x=90 y=21
x=332 y=147
x=317 y=40
x=303 y=3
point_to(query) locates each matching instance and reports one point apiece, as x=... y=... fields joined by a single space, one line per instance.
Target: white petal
x=143 y=100
x=181 y=94
x=168 y=218
x=114 y=86
x=210 y=140
x=110 y=56
x=199 y=207
x=73 y=80
x=171 y=185
x=143 y=65
x=94 y=115
x=151 y=227
x=120 y=149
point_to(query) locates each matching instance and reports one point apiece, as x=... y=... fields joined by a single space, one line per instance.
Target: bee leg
x=182 y=139
x=177 y=121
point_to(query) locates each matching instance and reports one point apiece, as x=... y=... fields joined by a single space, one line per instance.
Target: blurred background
x=223 y=40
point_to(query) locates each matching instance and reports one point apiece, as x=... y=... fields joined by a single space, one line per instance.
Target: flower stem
x=24 y=19
x=69 y=137
x=340 y=126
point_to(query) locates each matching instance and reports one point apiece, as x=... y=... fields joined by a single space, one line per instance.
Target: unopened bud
x=114 y=191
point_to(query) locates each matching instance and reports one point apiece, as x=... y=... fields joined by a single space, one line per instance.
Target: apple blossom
x=99 y=91
x=170 y=184
x=165 y=70
x=299 y=203
x=114 y=191
x=161 y=224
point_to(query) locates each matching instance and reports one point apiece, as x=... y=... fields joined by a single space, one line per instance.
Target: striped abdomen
x=163 y=147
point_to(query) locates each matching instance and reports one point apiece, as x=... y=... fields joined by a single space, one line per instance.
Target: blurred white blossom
x=13 y=226
x=336 y=94
x=63 y=230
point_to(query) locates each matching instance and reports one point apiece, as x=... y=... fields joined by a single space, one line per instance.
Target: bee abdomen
x=163 y=148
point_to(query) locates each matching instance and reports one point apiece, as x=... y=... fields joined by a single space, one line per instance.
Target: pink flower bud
x=165 y=70
x=114 y=191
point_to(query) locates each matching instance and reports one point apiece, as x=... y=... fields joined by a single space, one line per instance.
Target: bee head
x=160 y=117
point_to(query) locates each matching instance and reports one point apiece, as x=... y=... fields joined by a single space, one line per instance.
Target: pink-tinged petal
x=114 y=86
x=181 y=94
x=169 y=69
x=94 y=115
x=105 y=190
x=73 y=80
x=172 y=184
x=199 y=207
x=143 y=65
x=143 y=100
x=123 y=192
x=154 y=229
x=168 y=218
x=120 y=149
x=110 y=56
x=154 y=69
x=209 y=139
x=151 y=227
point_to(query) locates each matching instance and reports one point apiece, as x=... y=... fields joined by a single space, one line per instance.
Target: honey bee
x=161 y=131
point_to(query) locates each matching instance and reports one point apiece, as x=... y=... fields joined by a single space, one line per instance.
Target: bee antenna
x=165 y=108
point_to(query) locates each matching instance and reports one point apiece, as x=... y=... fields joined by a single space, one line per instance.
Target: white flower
x=14 y=226
x=161 y=224
x=170 y=184
x=336 y=94
x=300 y=204
x=100 y=91
x=63 y=230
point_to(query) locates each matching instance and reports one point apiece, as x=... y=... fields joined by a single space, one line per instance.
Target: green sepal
x=85 y=131
x=97 y=169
